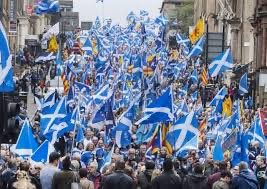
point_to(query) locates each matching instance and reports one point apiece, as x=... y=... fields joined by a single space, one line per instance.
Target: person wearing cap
x=47 y=173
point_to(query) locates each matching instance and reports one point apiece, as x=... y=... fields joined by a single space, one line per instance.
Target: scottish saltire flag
x=6 y=70
x=57 y=112
x=80 y=134
x=221 y=63
x=87 y=47
x=182 y=108
x=41 y=155
x=241 y=151
x=49 y=101
x=218 y=150
x=194 y=77
x=184 y=90
x=180 y=39
x=219 y=96
x=123 y=138
x=144 y=13
x=108 y=158
x=197 y=48
x=102 y=95
x=47 y=7
x=255 y=133
x=183 y=130
x=26 y=143
x=162 y=20
x=83 y=88
x=148 y=153
x=190 y=145
x=243 y=84
x=160 y=110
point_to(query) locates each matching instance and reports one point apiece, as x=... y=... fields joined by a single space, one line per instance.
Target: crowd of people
x=132 y=170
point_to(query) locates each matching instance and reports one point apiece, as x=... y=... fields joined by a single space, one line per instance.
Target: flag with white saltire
x=57 y=112
x=192 y=144
x=183 y=130
x=47 y=7
x=219 y=96
x=221 y=63
x=6 y=70
x=108 y=159
x=255 y=133
x=160 y=110
x=197 y=48
x=41 y=155
x=26 y=143
x=243 y=84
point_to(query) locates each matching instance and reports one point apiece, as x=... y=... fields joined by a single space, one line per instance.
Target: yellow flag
x=227 y=107
x=53 y=47
x=197 y=32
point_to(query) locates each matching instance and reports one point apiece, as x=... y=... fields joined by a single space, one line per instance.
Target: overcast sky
x=117 y=10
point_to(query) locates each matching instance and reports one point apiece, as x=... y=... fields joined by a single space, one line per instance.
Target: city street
x=123 y=94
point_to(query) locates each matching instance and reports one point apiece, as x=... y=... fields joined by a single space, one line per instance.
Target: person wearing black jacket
x=196 y=180
x=118 y=180
x=144 y=178
x=168 y=179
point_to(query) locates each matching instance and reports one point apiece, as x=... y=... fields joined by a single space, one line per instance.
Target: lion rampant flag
x=197 y=32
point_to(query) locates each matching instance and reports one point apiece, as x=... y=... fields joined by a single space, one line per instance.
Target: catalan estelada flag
x=204 y=77
x=202 y=127
x=197 y=32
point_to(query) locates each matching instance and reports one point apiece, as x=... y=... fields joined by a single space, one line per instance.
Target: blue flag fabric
x=6 y=70
x=41 y=155
x=243 y=84
x=47 y=7
x=26 y=143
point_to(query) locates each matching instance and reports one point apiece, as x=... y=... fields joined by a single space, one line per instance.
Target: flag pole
x=75 y=122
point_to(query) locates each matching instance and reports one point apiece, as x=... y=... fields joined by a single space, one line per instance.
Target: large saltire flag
x=197 y=32
x=6 y=70
x=221 y=63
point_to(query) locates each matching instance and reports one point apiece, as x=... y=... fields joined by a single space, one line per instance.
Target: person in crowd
x=132 y=159
x=216 y=176
x=25 y=167
x=142 y=152
x=245 y=179
x=47 y=173
x=196 y=180
x=85 y=183
x=144 y=178
x=224 y=182
x=168 y=179
x=66 y=178
x=23 y=181
x=94 y=175
x=261 y=171
x=118 y=179
x=9 y=172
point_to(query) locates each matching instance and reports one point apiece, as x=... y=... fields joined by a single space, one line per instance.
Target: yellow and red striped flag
x=204 y=77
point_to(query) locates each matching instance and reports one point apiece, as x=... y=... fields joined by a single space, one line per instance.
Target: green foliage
x=185 y=16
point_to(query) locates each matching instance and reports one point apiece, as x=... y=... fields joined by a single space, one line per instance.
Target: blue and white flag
x=160 y=110
x=6 y=70
x=197 y=48
x=49 y=101
x=80 y=134
x=47 y=7
x=243 y=84
x=162 y=20
x=108 y=158
x=41 y=155
x=190 y=145
x=194 y=77
x=255 y=133
x=219 y=96
x=83 y=88
x=221 y=63
x=241 y=152
x=87 y=47
x=218 y=151
x=55 y=113
x=183 y=130
x=26 y=143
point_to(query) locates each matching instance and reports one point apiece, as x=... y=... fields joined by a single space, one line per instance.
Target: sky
x=117 y=10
